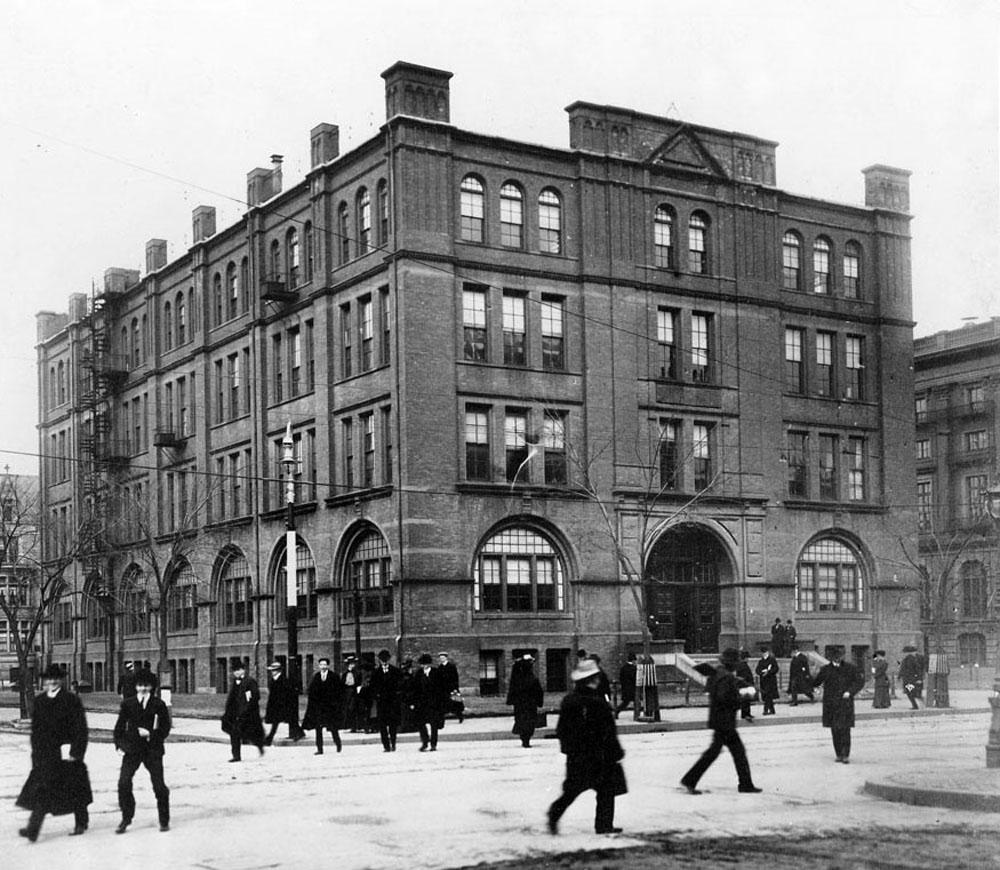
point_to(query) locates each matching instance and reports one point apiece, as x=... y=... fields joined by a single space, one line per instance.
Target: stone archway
x=682 y=581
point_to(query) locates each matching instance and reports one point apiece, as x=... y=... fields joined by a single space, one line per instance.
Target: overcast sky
x=118 y=118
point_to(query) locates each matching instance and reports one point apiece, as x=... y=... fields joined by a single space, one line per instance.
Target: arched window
x=344 y=233
x=217 y=301
x=61 y=383
x=135 y=613
x=791 y=261
x=511 y=216
x=663 y=237
x=232 y=291
x=168 y=326
x=181 y=320
x=852 y=270
x=364 y=205
x=244 y=285
x=974 y=591
x=698 y=244
x=472 y=209
x=292 y=257
x=369 y=574
x=382 y=205
x=821 y=266
x=305 y=568
x=235 y=590
x=308 y=255
x=136 y=343
x=972 y=649
x=275 y=263
x=518 y=570
x=549 y=222
x=828 y=577
x=182 y=608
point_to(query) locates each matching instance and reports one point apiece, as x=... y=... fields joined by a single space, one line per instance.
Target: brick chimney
x=77 y=307
x=202 y=223
x=118 y=280
x=262 y=184
x=887 y=187
x=324 y=140
x=420 y=91
x=156 y=255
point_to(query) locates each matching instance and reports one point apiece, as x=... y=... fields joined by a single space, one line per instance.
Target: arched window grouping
x=135 y=604
x=182 y=606
x=828 y=577
x=822 y=278
x=235 y=590
x=518 y=570
x=305 y=568
x=369 y=576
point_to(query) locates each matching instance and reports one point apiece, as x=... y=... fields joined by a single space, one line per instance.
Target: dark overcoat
x=767 y=673
x=386 y=689
x=880 y=670
x=838 y=711
x=723 y=699
x=131 y=717
x=589 y=740
x=242 y=715
x=799 y=678
x=282 y=701
x=526 y=697
x=53 y=785
x=427 y=696
x=626 y=681
x=448 y=675
x=324 y=702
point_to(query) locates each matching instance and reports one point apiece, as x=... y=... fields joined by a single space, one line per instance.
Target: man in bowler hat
x=386 y=686
x=241 y=719
x=723 y=702
x=282 y=704
x=841 y=681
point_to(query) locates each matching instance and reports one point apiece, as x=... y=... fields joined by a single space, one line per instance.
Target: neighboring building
x=957 y=383
x=458 y=326
x=19 y=576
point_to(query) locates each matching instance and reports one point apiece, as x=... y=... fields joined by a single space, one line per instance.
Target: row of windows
x=972 y=507
x=826 y=467
x=665 y=251
x=366 y=442
x=473 y=225
x=58 y=387
x=684 y=345
x=358 y=240
x=548 y=443
x=303 y=471
x=232 y=486
x=820 y=373
x=822 y=276
x=365 y=334
x=57 y=461
x=483 y=334
x=971 y=399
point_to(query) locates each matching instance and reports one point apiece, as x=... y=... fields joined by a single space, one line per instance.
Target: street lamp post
x=992 y=499
x=291 y=568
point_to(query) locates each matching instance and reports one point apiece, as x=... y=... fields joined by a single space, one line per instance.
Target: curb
x=931 y=797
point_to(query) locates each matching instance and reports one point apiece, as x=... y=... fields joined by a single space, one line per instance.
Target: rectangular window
x=310 y=356
x=666 y=324
x=235 y=484
x=925 y=504
x=168 y=406
x=821 y=267
x=923 y=448
x=387 y=457
x=474 y=325
x=975 y=494
x=294 y=362
x=828 y=470
x=518 y=584
x=701 y=325
x=920 y=408
x=554 y=445
x=697 y=261
x=976 y=440
x=553 y=350
x=348 y=440
x=669 y=455
x=386 y=320
x=824 y=363
x=856 y=469
x=514 y=351
x=233 y=372
x=477 y=444
x=220 y=488
x=701 y=450
x=366 y=333
x=138 y=441
x=346 y=334
x=798 y=465
x=852 y=275
x=975 y=398
x=220 y=392
x=794 y=363
x=515 y=432
x=368 y=450
x=854 y=363
x=184 y=426
x=277 y=364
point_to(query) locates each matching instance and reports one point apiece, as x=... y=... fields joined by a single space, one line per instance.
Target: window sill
x=359 y=495
x=862 y=507
x=523 y=614
x=304 y=394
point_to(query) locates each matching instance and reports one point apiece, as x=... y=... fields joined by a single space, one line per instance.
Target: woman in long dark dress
x=525 y=695
x=880 y=670
x=55 y=785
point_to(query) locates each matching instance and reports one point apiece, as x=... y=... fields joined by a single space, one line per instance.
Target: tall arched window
x=369 y=574
x=663 y=237
x=96 y=608
x=472 y=209
x=182 y=612
x=698 y=244
x=217 y=301
x=344 y=233
x=382 y=204
x=135 y=615
x=181 y=320
x=364 y=222
x=168 y=326
x=828 y=577
x=305 y=568
x=518 y=570
x=292 y=257
x=235 y=594
x=511 y=216
x=791 y=261
x=308 y=253
x=549 y=222
x=974 y=591
x=821 y=266
x=232 y=291
x=245 y=285
x=852 y=270
x=136 y=343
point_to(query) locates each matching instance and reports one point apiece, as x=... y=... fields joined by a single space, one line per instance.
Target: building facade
x=510 y=371
x=20 y=579
x=957 y=378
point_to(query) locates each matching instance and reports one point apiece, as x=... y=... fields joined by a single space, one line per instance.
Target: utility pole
x=291 y=568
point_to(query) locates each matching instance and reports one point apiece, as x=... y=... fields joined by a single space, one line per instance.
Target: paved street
x=482 y=800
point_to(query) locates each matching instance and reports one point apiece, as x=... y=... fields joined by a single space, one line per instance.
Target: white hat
x=585 y=670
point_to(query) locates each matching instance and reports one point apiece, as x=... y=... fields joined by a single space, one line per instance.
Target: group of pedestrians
x=783 y=636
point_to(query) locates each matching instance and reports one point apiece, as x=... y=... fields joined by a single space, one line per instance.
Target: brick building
x=463 y=330
x=956 y=381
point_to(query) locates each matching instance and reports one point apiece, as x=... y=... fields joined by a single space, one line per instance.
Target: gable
x=683 y=150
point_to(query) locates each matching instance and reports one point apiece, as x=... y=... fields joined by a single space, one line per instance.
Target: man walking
x=744 y=679
x=841 y=681
x=723 y=702
x=626 y=682
x=241 y=719
x=282 y=704
x=352 y=682
x=589 y=740
x=799 y=678
x=143 y=724
x=126 y=682
x=911 y=675
x=447 y=672
x=324 y=701
x=767 y=675
x=386 y=683
x=427 y=700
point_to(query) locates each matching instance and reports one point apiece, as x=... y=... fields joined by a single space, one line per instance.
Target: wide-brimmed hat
x=145 y=678
x=730 y=657
x=585 y=670
x=384 y=655
x=274 y=666
x=52 y=672
x=909 y=648
x=425 y=659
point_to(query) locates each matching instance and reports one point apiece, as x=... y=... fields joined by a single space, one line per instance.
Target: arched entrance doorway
x=682 y=587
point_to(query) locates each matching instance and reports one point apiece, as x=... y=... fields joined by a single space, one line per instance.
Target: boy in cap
x=841 y=681
x=588 y=738
x=723 y=702
x=143 y=724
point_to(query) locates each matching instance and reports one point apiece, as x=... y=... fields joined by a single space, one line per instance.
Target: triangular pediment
x=683 y=150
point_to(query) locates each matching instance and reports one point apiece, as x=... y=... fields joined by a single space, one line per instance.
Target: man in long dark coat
x=841 y=681
x=324 y=705
x=778 y=637
x=126 y=682
x=626 y=682
x=799 y=678
x=589 y=740
x=524 y=694
x=767 y=676
x=427 y=699
x=448 y=674
x=143 y=724
x=385 y=686
x=282 y=704
x=744 y=677
x=55 y=785
x=911 y=675
x=723 y=702
x=241 y=720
